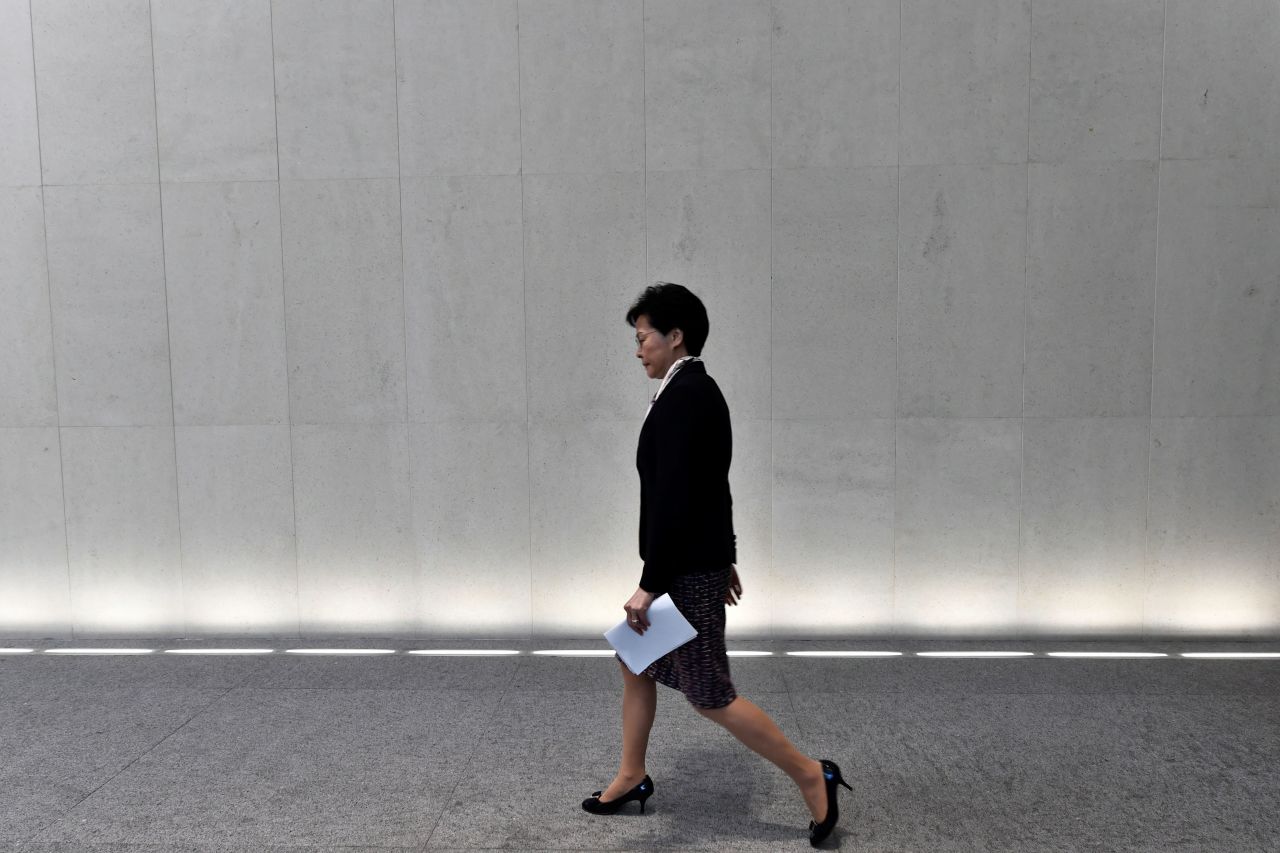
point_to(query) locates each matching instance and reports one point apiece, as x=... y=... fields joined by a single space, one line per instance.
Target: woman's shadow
x=712 y=797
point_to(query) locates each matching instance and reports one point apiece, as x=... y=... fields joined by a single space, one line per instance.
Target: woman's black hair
x=673 y=306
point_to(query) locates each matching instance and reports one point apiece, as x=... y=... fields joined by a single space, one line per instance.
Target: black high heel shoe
x=819 y=831
x=640 y=792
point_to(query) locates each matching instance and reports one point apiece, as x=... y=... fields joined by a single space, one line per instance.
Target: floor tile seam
x=67 y=812
x=466 y=765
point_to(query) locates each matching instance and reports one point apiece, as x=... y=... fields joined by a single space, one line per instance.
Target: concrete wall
x=313 y=310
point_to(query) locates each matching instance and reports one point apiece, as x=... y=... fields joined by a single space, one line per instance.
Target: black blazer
x=686 y=511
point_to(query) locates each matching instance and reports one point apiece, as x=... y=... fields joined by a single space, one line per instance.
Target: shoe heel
x=840 y=779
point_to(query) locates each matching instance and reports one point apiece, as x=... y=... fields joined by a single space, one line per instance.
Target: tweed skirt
x=700 y=668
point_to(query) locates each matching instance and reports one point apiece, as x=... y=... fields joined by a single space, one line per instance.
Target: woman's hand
x=735 y=587
x=638 y=610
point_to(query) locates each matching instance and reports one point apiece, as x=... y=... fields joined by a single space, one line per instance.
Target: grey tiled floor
x=407 y=753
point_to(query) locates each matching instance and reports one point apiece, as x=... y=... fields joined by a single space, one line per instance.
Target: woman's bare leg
x=639 y=704
x=751 y=725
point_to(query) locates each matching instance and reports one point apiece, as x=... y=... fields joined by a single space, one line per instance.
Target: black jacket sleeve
x=671 y=504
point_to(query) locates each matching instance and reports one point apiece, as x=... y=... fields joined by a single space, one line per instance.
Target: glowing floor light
x=1230 y=655
x=1107 y=655
x=218 y=651
x=98 y=651
x=749 y=654
x=464 y=652
x=16 y=651
x=975 y=654
x=340 y=651
x=844 y=654
x=576 y=653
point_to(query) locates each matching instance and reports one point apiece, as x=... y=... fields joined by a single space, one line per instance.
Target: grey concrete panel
x=582 y=85
x=962 y=283
x=1084 y=507
x=1095 y=80
x=956 y=525
x=471 y=523
x=95 y=91
x=122 y=530
x=19 y=135
x=707 y=84
x=335 y=88
x=344 y=301
x=1213 y=563
x=1221 y=79
x=584 y=506
x=34 y=585
x=215 y=90
x=965 y=70
x=27 y=393
x=835 y=246
x=356 y=563
x=106 y=277
x=833 y=526
x=1217 y=312
x=835 y=83
x=459 y=87
x=226 y=303
x=235 y=502
x=316 y=767
x=751 y=486
x=464 y=298
x=1090 y=289
x=710 y=232
x=584 y=266
x=59 y=750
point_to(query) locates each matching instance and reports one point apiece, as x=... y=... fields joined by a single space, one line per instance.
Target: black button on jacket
x=686 y=511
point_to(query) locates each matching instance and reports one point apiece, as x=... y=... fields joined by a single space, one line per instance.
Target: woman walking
x=688 y=547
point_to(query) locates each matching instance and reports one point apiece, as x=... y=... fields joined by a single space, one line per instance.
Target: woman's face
x=655 y=350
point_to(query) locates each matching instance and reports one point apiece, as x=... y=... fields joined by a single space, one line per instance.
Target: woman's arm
x=670 y=506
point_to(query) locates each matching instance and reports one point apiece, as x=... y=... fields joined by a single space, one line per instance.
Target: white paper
x=668 y=630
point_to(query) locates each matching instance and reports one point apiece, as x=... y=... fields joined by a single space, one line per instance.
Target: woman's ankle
x=806 y=772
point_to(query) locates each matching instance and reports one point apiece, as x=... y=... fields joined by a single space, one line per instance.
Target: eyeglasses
x=640 y=340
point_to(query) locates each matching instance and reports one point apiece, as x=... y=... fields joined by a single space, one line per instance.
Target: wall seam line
x=53 y=348
x=524 y=303
x=284 y=319
x=419 y=578
x=1144 y=628
x=164 y=276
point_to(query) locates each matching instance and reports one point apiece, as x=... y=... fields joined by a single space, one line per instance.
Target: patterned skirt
x=700 y=668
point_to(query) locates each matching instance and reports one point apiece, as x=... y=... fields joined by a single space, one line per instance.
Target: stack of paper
x=668 y=630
